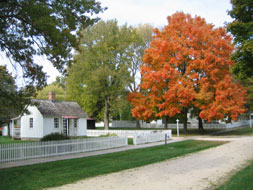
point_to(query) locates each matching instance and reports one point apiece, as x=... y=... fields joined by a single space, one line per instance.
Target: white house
x=50 y=116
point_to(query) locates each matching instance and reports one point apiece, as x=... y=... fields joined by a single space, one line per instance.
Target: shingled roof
x=59 y=108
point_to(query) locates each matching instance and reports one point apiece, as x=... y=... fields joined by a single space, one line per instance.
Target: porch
x=16 y=128
x=69 y=125
x=16 y=134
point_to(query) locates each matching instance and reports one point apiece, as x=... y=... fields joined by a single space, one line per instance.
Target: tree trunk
x=165 y=124
x=106 y=115
x=185 y=111
x=9 y=129
x=138 y=126
x=201 y=129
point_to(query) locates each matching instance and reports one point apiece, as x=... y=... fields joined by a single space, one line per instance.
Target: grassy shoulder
x=241 y=180
x=58 y=173
x=8 y=140
x=245 y=131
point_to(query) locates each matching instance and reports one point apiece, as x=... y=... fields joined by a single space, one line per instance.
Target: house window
x=56 y=122
x=31 y=122
x=75 y=123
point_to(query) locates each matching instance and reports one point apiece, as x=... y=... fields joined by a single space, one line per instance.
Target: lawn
x=130 y=141
x=241 y=180
x=8 y=140
x=58 y=173
x=246 y=131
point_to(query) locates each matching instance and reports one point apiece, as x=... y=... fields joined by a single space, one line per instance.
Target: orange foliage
x=187 y=65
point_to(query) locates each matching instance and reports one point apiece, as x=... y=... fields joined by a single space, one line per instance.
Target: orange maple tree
x=188 y=66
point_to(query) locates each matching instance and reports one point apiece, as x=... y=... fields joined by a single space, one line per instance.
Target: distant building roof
x=59 y=108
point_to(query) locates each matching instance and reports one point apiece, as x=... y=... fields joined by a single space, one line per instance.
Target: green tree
x=49 y=27
x=145 y=32
x=242 y=30
x=59 y=91
x=61 y=82
x=17 y=100
x=100 y=73
x=142 y=41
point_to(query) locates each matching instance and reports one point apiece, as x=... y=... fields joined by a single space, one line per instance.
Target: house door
x=65 y=126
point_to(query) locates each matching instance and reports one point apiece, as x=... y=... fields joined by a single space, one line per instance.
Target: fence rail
x=23 y=151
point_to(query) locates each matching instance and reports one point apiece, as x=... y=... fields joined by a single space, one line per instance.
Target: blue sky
x=155 y=12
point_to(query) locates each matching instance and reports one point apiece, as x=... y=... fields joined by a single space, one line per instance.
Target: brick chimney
x=51 y=96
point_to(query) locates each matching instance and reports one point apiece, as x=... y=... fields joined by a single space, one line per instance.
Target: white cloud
x=155 y=12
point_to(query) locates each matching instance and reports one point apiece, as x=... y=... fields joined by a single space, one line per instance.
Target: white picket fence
x=152 y=137
x=124 y=133
x=131 y=124
x=29 y=150
x=139 y=136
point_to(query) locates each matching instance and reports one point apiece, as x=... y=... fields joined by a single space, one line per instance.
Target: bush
x=54 y=137
x=108 y=135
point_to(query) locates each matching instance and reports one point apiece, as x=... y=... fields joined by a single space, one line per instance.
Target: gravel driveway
x=203 y=170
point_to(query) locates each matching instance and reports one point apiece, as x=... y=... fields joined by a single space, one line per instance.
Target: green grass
x=8 y=140
x=130 y=141
x=246 y=131
x=68 y=171
x=194 y=132
x=241 y=180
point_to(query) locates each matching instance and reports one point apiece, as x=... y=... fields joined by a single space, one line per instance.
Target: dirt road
x=198 y=171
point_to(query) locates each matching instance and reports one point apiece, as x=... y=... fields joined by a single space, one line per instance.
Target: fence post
x=165 y=138
x=22 y=152
x=134 y=138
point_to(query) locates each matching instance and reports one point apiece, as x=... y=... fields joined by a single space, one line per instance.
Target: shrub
x=108 y=135
x=54 y=137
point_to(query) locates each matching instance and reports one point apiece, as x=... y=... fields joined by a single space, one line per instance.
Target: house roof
x=59 y=108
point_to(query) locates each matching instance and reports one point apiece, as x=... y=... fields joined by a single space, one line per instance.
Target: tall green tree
x=17 y=100
x=144 y=37
x=144 y=32
x=242 y=30
x=59 y=91
x=100 y=73
x=48 y=27
x=61 y=81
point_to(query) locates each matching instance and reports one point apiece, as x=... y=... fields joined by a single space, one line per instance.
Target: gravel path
x=202 y=170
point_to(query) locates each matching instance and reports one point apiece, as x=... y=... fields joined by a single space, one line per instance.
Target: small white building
x=50 y=116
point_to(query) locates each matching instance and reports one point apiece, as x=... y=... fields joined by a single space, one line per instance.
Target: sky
x=154 y=12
